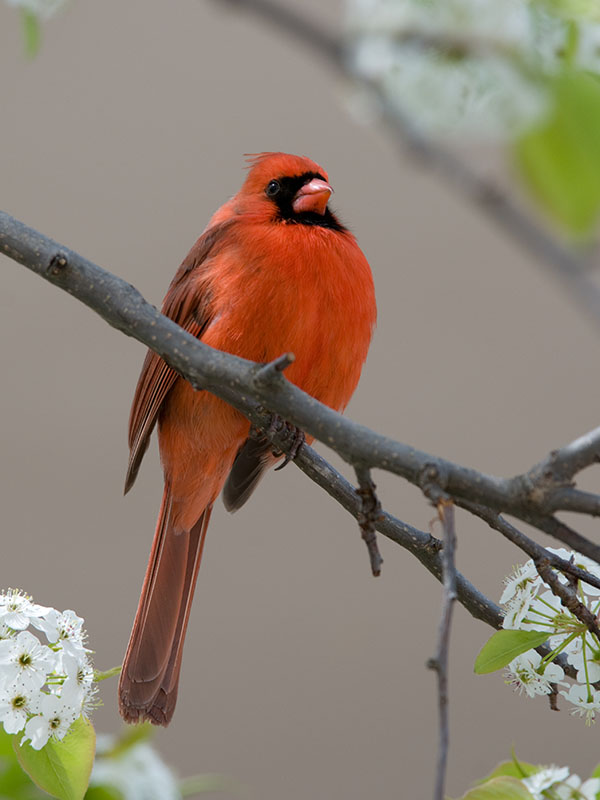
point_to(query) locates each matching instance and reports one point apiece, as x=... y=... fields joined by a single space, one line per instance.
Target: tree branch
x=253 y=387
x=242 y=384
x=440 y=661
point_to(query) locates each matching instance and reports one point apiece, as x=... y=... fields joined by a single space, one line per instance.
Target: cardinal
x=274 y=271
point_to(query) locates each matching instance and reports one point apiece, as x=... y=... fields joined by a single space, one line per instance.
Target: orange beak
x=313 y=196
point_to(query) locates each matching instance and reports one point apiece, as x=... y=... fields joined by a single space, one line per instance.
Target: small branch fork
x=439 y=662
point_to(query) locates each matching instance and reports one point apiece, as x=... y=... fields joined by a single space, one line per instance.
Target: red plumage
x=274 y=271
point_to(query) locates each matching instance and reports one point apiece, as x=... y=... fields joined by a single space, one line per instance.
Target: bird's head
x=287 y=188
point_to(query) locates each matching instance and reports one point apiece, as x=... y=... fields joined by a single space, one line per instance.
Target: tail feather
x=150 y=673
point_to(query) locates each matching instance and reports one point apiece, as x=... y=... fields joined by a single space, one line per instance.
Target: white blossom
x=66 y=629
x=24 y=660
x=585 y=699
x=546 y=612
x=53 y=718
x=585 y=658
x=17 y=610
x=531 y=605
x=44 y=688
x=41 y=8
x=546 y=778
x=524 y=579
x=573 y=789
x=524 y=675
x=78 y=688
x=6 y=632
x=16 y=704
x=517 y=608
x=583 y=562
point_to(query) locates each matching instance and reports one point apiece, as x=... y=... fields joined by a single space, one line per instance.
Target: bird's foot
x=293 y=438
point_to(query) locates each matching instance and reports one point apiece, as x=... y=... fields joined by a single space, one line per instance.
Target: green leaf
x=103 y=793
x=596 y=772
x=505 y=645
x=32 y=32
x=502 y=788
x=14 y=783
x=573 y=9
x=62 y=768
x=209 y=782
x=560 y=157
x=513 y=769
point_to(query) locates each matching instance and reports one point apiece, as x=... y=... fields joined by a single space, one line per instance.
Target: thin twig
x=562 y=532
x=439 y=663
x=533 y=549
x=553 y=697
x=370 y=512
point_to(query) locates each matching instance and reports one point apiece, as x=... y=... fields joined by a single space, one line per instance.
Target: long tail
x=150 y=674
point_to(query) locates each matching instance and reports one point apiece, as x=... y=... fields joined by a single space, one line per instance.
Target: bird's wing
x=188 y=303
x=254 y=457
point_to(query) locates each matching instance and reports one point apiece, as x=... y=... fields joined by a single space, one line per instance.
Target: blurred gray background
x=303 y=676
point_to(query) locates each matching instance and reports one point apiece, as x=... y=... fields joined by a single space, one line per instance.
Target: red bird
x=274 y=271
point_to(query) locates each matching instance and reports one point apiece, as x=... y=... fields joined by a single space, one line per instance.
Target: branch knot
x=433 y=479
x=57 y=264
x=268 y=374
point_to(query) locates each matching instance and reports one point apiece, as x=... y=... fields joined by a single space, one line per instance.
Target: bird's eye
x=273 y=188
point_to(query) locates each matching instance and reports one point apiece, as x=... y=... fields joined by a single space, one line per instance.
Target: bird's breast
x=290 y=287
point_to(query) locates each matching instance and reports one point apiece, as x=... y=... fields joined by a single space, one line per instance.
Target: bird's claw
x=291 y=434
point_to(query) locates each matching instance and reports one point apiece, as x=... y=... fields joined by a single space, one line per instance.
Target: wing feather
x=254 y=457
x=188 y=303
